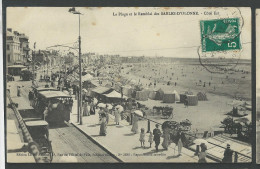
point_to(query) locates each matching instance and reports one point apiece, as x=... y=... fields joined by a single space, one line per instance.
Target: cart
x=40 y=134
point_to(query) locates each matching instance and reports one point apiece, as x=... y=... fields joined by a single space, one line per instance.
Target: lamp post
x=73 y=11
x=33 y=63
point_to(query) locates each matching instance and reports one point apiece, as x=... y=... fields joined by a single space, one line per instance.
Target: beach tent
x=159 y=94
x=169 y=97
x=177 y=96
x=127 y=90
x=113 y=97
x=192 y=100
x=147 y=91
x=87 y=77
x=141 y=95
x=202 y=96
x=100 y=90
x=152 y=95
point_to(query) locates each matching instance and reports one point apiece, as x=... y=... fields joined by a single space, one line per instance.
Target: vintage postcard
x=128 y=84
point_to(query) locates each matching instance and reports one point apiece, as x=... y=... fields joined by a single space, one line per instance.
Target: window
x=8 y=58
x=8 y=47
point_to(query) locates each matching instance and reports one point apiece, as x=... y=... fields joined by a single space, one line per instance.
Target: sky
x=103 y=33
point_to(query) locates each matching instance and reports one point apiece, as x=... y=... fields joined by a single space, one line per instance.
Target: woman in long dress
x=117 y=116
x=85 y=109
x=103 y=126
x=135 y=123
x=166 y=139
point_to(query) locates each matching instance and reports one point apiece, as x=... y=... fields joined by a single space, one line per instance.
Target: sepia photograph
x=129 y=85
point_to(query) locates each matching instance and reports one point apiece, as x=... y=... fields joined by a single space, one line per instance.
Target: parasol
x=138 y=112
x=109 y=106
x=95 y=101
x=120 y=108
x=101 y=105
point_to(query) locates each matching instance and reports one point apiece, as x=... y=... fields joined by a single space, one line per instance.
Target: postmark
x=221 y=45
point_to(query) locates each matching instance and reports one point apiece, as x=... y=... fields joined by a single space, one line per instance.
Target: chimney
x=9 y=29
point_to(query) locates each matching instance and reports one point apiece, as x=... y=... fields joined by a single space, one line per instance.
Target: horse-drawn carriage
x=166 y=111
x=39 y=131
x=174 y=129
x=240 y=126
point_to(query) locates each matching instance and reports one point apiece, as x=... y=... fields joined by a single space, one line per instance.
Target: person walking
x=92 y=108
x=186 y=103
x=103 y=125
x=166 y=138
x=101 y=114
x=45 y=114
x=85 y=109
x=150 y=140
x=157 y=136
x=142 y=138
x=135 y=123
x=117 y=116
x=228 y=153
x=18 y=91
x=30 y=96
x=203 y=154
x=180 y=140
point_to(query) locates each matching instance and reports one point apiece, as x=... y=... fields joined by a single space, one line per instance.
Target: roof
x=114 y=94
x=101 y=89
x=39 y=89
x=54 y=94
x=36 y=123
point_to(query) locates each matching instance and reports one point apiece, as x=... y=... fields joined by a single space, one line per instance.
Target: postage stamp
x=220 y=34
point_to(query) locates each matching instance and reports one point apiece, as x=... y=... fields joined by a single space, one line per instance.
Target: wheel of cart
x=167 y=112
x=39 y=131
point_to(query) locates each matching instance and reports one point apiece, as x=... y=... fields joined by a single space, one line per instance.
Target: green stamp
x=220 y=35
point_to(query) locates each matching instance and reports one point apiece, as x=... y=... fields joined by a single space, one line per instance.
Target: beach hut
x=141 y=95
x=169 y=98
x=192 y=100
x=159 y=94
x=183 y=98
x=202 y=96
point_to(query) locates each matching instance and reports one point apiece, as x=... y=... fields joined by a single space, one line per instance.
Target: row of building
x=17 y=47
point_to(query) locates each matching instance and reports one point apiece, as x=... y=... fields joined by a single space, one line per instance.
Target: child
x=150 y=139
x=142 y=137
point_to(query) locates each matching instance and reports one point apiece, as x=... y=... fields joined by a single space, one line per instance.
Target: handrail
x=32 y=148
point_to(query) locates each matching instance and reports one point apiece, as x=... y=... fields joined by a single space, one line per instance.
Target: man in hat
x=227 y=155
x=157 y=136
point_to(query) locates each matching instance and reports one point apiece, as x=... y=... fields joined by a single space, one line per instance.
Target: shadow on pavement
x=94 y=125
x=130 y=134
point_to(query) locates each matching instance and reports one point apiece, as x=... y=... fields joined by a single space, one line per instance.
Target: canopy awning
x=114 y=94
x=54 y=94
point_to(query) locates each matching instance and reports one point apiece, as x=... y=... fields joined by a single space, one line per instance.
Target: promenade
x=125 y=145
